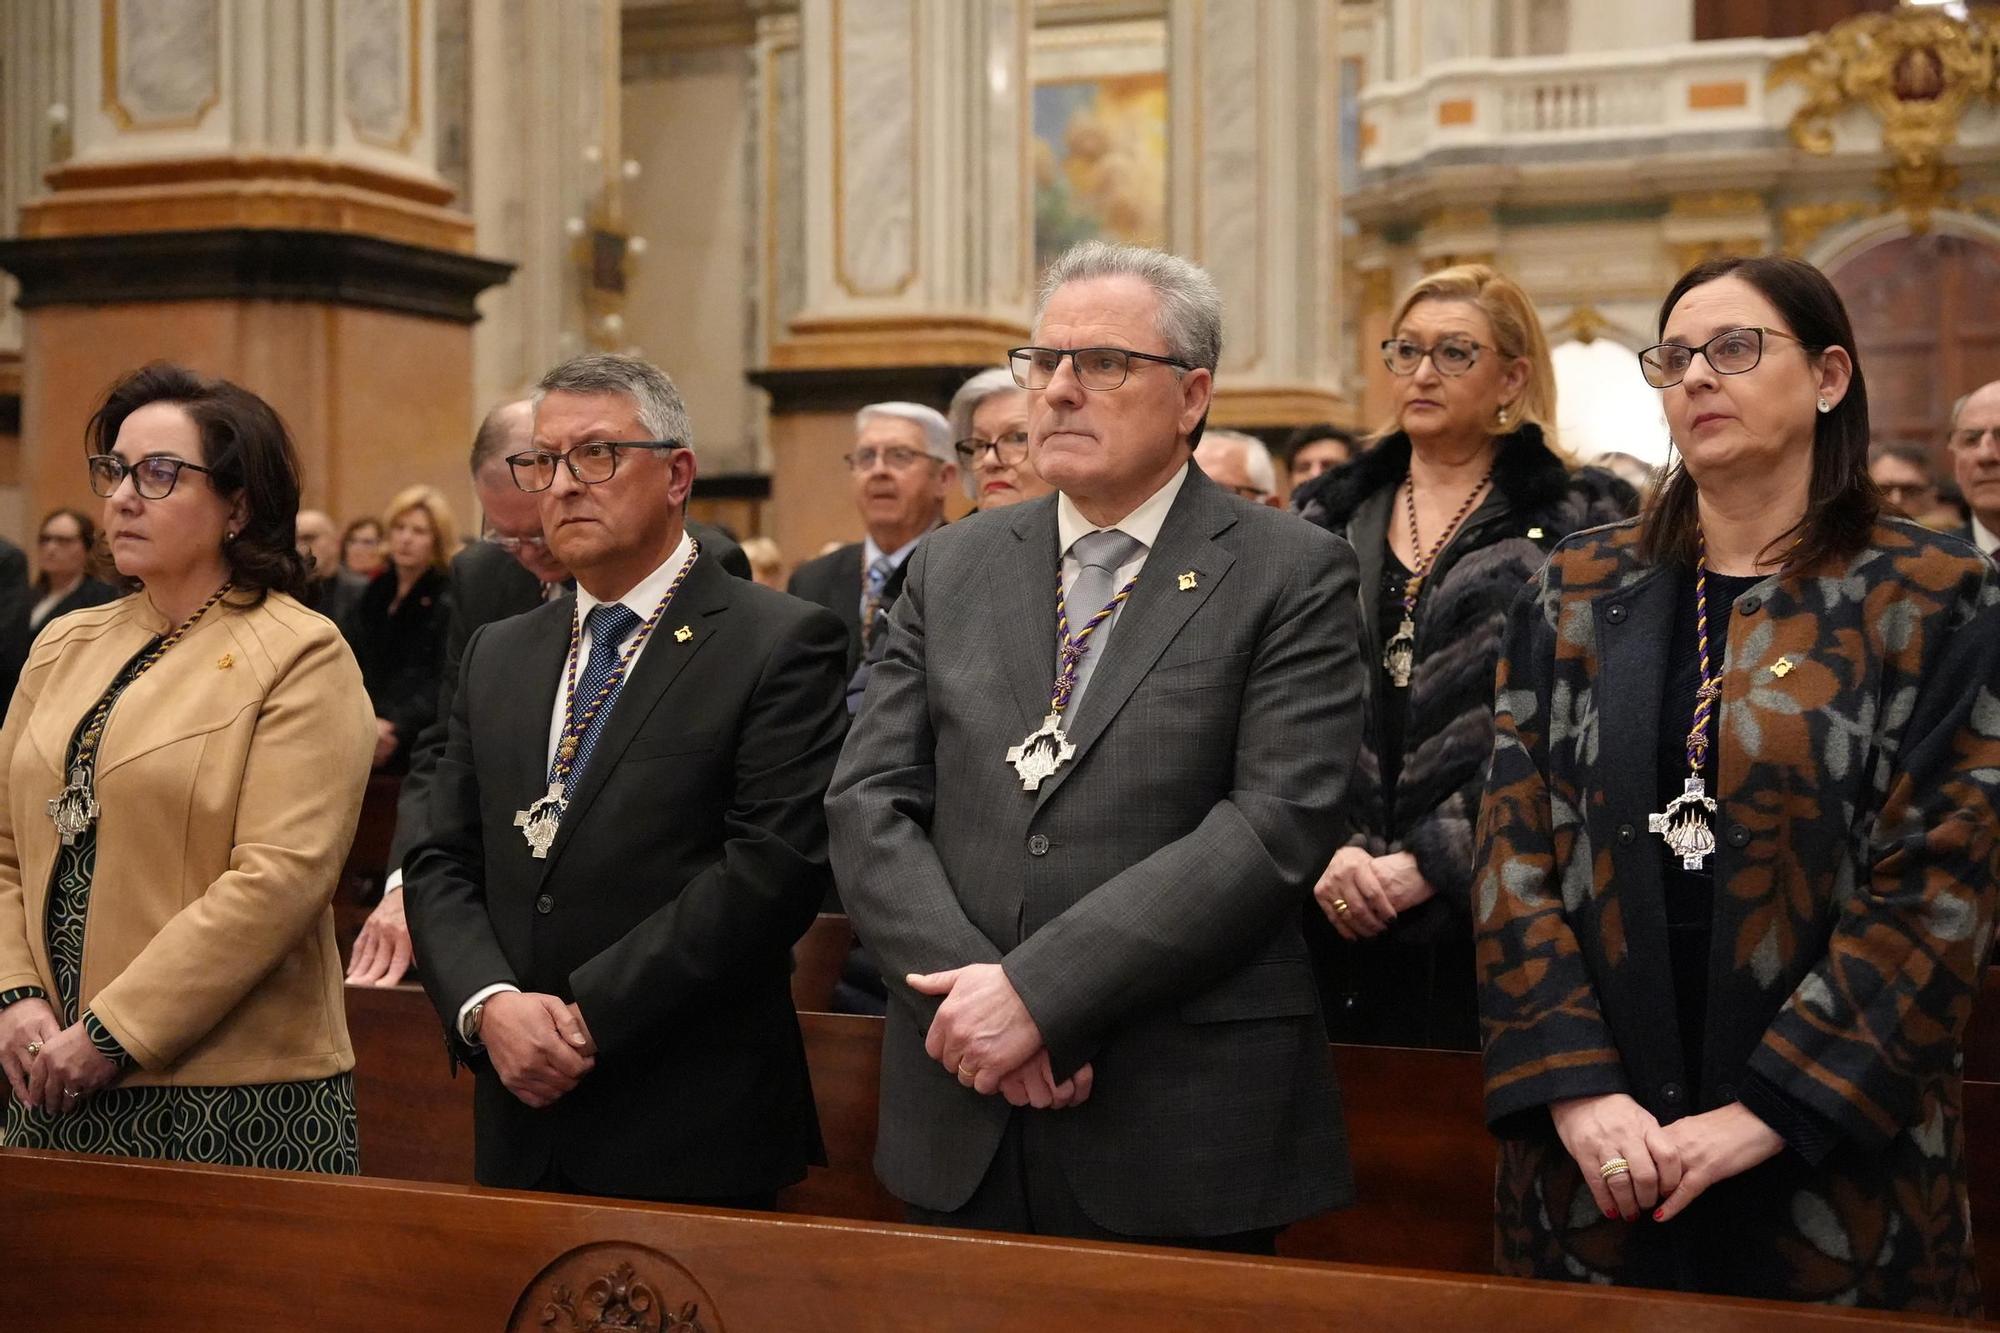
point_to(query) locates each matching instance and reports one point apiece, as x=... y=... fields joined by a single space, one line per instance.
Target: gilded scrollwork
x=1916 y=71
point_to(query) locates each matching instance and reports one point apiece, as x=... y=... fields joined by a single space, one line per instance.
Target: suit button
x=1671 y=1094
x=1038 y=846
x=1738 y=836
x=1626 y=835
x=1616 y=615
x=1748 y=606
x=545 y=904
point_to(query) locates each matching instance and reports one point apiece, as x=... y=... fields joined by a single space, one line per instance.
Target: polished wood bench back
x=106 y=1244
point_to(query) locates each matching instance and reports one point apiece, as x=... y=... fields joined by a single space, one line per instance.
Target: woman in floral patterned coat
x=1737 y=852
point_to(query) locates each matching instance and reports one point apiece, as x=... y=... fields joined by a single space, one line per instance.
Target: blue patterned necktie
x=610 y=624
x=1100 y=554
x=871 y=599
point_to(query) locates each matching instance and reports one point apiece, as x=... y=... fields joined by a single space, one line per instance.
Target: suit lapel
x=1155 y=613
x=704 y=596
x=1022 y=593
x=540 y=673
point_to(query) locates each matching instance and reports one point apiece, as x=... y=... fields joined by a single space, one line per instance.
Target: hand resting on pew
x=539 y=1045
x=985 y=1036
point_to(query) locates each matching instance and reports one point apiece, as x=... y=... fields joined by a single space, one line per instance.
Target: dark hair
x=1902 y=451
x=365 y=521
x=248 y=454
x=86 y=530
x=1842 y=504
x=1313 y=434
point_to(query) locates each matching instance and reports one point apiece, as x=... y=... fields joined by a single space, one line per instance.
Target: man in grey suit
x=1080 y=857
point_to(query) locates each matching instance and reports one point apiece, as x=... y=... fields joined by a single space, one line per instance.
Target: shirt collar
x=870 y=552
x=645 y=595
x=1143 y=524
x=1984 y=537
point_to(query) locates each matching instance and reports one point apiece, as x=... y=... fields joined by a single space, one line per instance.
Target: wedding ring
x=69 y=1092
x=1616 y=1166
x=1340 y=904
x=34 y=1048
x=966 y=1074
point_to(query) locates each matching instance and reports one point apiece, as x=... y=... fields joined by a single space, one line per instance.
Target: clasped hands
x=1666 y=1166
x=539 y=1045
x=1362 y=895
x=990 y=1042
x=64 y=1068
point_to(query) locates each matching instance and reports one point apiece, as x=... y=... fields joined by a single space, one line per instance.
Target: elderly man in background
x=901 y=470
x=335 y=588
x=1240 y=463
x=1097 y=770
x=1975 y=461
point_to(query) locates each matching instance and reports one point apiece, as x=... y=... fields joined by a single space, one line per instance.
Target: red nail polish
x=1610 y=1216
x=1659 y=1214
x=1633 y=1217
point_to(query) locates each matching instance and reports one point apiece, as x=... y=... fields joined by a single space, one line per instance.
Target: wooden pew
x=107 y=1244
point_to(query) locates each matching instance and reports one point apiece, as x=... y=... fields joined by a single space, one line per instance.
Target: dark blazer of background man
x=636 y=1035
x=509 y=573
x=1124 y=939
x=900 y=471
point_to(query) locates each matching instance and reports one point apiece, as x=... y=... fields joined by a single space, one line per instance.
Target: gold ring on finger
x=34 y=1048
x=1616 y=1166
x=1340 y=904
x=69 y=1092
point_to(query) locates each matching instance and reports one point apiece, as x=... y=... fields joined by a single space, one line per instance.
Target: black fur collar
x=1525 y=471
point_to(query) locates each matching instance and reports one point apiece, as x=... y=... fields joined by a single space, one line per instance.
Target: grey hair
x=937 y=431
x=1257 y=464
x=662 y=414
x=1190 y=321
x=975 y=391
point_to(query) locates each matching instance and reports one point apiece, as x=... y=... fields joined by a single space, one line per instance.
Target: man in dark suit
x=901 y=470
x=1975 y=461
x=508 y=573
x=16 y=600
x=626 y=835
x=1082 y=869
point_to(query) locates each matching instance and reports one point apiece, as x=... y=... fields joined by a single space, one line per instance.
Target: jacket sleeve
x=296 y=810
x=761 y=894
x=1543 y=1033
x=879 y=813
x=1884 y=1013
x=17 y=964
x=1203 y=905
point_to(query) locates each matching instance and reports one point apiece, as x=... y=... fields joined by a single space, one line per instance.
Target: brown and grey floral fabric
x=1858 y=785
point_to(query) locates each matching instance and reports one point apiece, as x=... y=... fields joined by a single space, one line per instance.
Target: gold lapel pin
x=683 y=634
x=1782 y=667
x=224 y=662
x=1187 y=580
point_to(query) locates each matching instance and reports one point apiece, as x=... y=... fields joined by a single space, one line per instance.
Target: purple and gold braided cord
x=1075 y=648
x=1711 y=683
x=579 y=724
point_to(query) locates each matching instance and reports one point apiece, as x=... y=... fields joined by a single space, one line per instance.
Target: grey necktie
x=1100 y=554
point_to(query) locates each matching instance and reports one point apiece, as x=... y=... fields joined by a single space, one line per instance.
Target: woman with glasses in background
x=398 y=627
x=180 y=778
x=65 y=555
x=989 y=427
x=1451 y=512
x=1738 y=849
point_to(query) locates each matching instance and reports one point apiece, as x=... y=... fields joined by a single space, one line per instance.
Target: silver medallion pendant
x=74 y=809
x=1041 y=752
x=1400 y=657
x=1684 y=824
x=539 y=822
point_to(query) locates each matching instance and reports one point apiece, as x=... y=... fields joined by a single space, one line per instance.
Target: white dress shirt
x=1984 y=538
x=870 y=553
x=1142 y=524
x=643 y=597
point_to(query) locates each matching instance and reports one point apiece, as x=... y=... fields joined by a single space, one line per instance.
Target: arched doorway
x=1926 y=312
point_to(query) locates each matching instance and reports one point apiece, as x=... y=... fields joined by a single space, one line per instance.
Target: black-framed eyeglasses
x=1451 y=355
x=1730 y=352
x=154 y=478
x=1098 y=369
x=592 y=463
x=1008 y=450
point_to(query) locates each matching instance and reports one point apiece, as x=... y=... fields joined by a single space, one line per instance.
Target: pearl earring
x=1825 y=406
x=1500 y=417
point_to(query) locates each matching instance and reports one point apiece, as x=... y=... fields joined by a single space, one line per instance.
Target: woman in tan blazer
x=180 y=776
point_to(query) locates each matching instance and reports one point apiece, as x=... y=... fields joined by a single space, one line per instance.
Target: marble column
x=250 y=189
x=1256 y=198
x=906 y=124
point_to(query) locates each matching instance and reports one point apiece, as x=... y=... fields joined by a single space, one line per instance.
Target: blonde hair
x=763 y=555
x=1517 y=332
x=444 y=528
